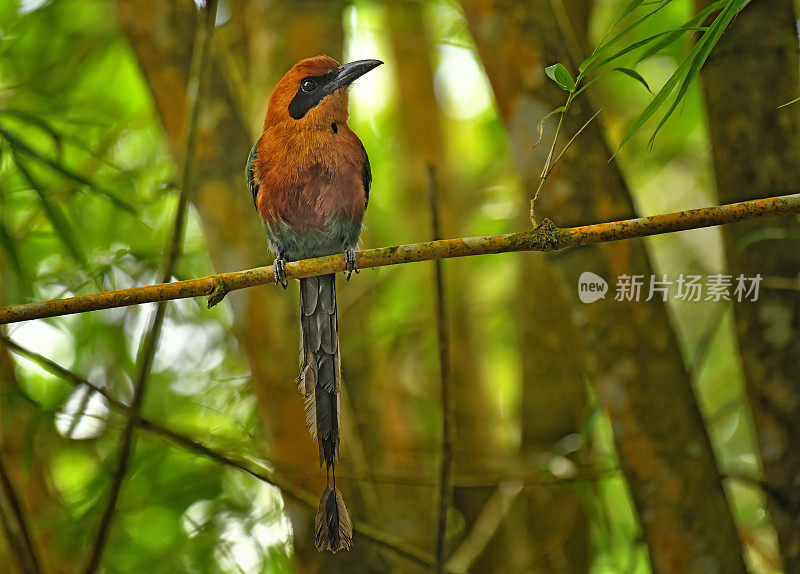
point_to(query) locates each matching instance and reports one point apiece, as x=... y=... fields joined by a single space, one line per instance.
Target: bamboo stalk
x=445 y=471
x=200 y=58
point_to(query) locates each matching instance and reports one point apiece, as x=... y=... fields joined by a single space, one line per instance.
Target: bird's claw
x=350 y=263
x=279 y=267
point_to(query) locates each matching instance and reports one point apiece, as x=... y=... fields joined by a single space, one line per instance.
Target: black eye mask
x=313 y=89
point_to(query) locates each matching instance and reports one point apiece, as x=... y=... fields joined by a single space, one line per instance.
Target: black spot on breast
x=334 y=127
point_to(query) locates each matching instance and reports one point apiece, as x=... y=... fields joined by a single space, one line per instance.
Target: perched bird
x=310 y=177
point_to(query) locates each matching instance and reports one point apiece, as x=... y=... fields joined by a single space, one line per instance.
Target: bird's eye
x=308 y=85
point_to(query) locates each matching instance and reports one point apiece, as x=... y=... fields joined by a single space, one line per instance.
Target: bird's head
x=314 y=91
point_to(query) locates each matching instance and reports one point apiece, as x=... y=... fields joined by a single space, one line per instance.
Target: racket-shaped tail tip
x=334 y=531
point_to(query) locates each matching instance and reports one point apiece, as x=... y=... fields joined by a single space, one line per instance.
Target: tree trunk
x=555 y=535
x=24 y=448
x=640 y=381
x=756 y=151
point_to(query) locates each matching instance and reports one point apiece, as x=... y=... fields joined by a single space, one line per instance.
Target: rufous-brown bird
x=310 y=178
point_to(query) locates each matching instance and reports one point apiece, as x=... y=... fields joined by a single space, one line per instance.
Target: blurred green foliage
x=87 y=199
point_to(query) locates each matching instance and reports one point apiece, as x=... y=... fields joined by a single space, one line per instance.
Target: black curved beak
x=346 y=74
x=326 y=84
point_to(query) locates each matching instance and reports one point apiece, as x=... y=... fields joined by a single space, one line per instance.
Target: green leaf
x=590 y=82
x=559 y=110
x=637 y=45
x=688 y=26
x=61 y=138
x=55 y=216
x=10 y=247
x=686 y=71
x=704 y=46
x=633 y=5
x=603 y=47
x=632 y=73
x=38 y=123
x=635 y=75
x=794 y=101
x=22 y=147
x=559 y=74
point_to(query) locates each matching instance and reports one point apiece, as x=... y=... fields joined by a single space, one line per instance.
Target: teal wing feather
x=250 y=175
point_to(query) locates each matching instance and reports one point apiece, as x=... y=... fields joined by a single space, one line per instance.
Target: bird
x=310 y=178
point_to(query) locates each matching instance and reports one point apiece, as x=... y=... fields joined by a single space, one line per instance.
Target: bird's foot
x=279 y=266
x=350 y=264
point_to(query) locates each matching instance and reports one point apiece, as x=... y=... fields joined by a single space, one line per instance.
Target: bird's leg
x=350 y=264
x=279 y=266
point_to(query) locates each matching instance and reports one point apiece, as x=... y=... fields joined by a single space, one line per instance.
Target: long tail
x=319 y=383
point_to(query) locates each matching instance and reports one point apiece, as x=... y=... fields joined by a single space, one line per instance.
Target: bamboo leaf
x=39 y=123
x=559 y=74
x=704 y=47
x=641 y=43
x=55 y=216
x=590 y=82
x=21 y=146
x=559 y=110
x=633 y=5
x=604 y=47
x=686 y=71
x=653 y=106
x=10 y=247
x=62 y=139
x=635 y=75
x=688 y=26
x=794 y=101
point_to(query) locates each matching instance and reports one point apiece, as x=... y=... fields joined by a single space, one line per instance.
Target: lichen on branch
x=545 y=237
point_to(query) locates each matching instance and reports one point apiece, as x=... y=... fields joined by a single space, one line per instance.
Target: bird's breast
x=312 y=196
x=314 y=213
x=307 y=181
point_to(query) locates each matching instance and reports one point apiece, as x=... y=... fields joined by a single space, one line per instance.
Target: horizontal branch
x=545 y=237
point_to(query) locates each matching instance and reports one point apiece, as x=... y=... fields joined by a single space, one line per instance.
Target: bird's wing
x=250 y=175
x=366 y=176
